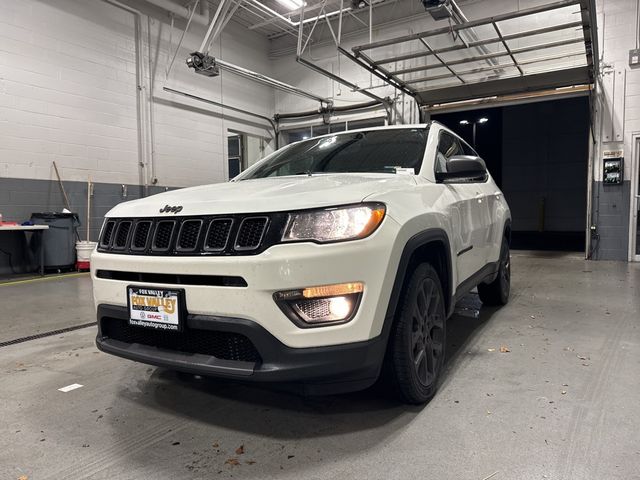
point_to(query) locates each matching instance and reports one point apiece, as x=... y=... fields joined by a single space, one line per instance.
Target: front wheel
x=418 y=339
x=497 y=292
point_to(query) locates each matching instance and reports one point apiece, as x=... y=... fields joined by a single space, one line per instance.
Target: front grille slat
x=250 y=233
x=218 y=234
x=211 y=235
x=122 y=234
x=141 y=235
x=222 y=345
x=107 y=234
x=163 y=235
x=189 y=235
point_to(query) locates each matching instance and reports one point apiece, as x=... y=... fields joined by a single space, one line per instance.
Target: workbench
x=37 y=230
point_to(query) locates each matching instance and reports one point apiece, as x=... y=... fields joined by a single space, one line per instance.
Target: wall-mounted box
x=613 y=170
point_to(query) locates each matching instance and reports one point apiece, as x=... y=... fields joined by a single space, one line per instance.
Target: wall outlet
x=634 y=57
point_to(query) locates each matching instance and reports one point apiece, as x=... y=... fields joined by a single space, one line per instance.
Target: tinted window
x=467 y=150
x=371 y=151
x=448 y=146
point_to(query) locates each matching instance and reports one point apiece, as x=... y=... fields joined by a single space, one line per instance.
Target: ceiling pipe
x=179 y=10
x=460 y=18
x=143 y=116
x=313 y=113
x=384 y=101
x=228 y=107
x=259 y=77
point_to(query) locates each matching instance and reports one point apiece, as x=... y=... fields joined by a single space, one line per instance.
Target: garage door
x=539 y=48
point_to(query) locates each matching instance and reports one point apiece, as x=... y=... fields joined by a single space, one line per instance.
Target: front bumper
x=317 y=370
x=372 y=261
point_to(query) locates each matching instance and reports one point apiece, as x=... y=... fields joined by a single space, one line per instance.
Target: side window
x=467 y=150
x=471 y=152
x=448 y=146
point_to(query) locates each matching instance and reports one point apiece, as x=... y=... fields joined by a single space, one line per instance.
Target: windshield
x=375 y=151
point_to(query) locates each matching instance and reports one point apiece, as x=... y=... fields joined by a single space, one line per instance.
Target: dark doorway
x=538 y=155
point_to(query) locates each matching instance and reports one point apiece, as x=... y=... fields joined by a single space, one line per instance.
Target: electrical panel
x=613 y=171
x=634 y=57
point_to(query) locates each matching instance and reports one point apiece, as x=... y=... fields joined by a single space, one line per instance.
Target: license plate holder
x=156 y=308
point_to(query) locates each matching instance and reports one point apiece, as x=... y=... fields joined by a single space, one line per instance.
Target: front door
x=467 y=213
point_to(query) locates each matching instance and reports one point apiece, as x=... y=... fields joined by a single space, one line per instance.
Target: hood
x=265 y=195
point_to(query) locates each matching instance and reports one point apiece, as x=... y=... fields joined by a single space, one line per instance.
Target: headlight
x=334 y=224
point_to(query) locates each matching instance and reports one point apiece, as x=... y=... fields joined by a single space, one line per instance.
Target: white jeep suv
x=318 y=265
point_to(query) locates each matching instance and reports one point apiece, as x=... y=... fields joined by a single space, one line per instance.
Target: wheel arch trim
x=421 y=239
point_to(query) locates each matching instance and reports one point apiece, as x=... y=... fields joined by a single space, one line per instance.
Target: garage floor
x=561 y=404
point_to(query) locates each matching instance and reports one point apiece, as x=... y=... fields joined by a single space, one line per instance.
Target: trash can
x=59 y=240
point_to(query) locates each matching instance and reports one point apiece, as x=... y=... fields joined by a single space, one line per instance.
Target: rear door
x=468 y=235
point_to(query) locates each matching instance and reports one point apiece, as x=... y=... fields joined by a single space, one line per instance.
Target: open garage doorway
x=538 y=155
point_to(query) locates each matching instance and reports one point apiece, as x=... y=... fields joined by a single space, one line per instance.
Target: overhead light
x=464 y=122
x=483 y=120
x=292 y=4
x=355 y=4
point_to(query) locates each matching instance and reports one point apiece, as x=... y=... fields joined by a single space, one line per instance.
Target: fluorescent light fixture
x=291 y=4
x=464 y=122
x=483 y=120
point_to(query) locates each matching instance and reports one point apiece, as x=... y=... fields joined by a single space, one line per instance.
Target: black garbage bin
x=59 y=240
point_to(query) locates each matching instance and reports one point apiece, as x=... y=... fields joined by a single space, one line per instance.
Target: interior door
x=636 y=224
x=635 y=208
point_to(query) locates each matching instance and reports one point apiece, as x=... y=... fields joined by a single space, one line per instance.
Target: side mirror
x=463 y=169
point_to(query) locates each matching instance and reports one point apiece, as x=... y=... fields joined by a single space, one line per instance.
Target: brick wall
x=68 y=93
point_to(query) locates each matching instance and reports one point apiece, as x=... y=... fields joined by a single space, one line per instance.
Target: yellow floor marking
x=40 y=279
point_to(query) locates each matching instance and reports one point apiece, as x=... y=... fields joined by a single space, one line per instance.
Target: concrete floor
x=562 y=404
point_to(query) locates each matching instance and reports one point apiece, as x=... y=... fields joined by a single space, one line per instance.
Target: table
x=37 y=230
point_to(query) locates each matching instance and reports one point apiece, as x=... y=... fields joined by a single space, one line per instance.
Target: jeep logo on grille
x=171 y=209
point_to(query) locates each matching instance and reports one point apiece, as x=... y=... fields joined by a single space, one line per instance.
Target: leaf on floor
x=215 y=445
x=491 y=349
x=504 y=349
x=23 y=477
x=232 y=461
x=240 y=450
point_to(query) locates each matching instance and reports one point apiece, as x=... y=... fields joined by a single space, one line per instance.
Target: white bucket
x=84 y=249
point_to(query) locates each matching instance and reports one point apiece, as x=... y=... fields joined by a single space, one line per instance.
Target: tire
x=496 y=293
x=418 y=339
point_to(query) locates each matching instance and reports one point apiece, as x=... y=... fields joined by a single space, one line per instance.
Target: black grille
x=122 y=234
x=141 y=235
x=223 y=345
x=238 y=234
x=250 y=233
x=108 y=232
x=164 y=232
x=218 y=234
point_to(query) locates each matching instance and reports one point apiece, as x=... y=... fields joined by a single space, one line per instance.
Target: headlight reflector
x=334 y=224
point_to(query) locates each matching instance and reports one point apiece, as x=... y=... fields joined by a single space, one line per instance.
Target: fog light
x=321 y=305
x=340 y=307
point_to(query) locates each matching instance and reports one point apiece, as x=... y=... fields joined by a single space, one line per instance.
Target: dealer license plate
x=157 y=308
